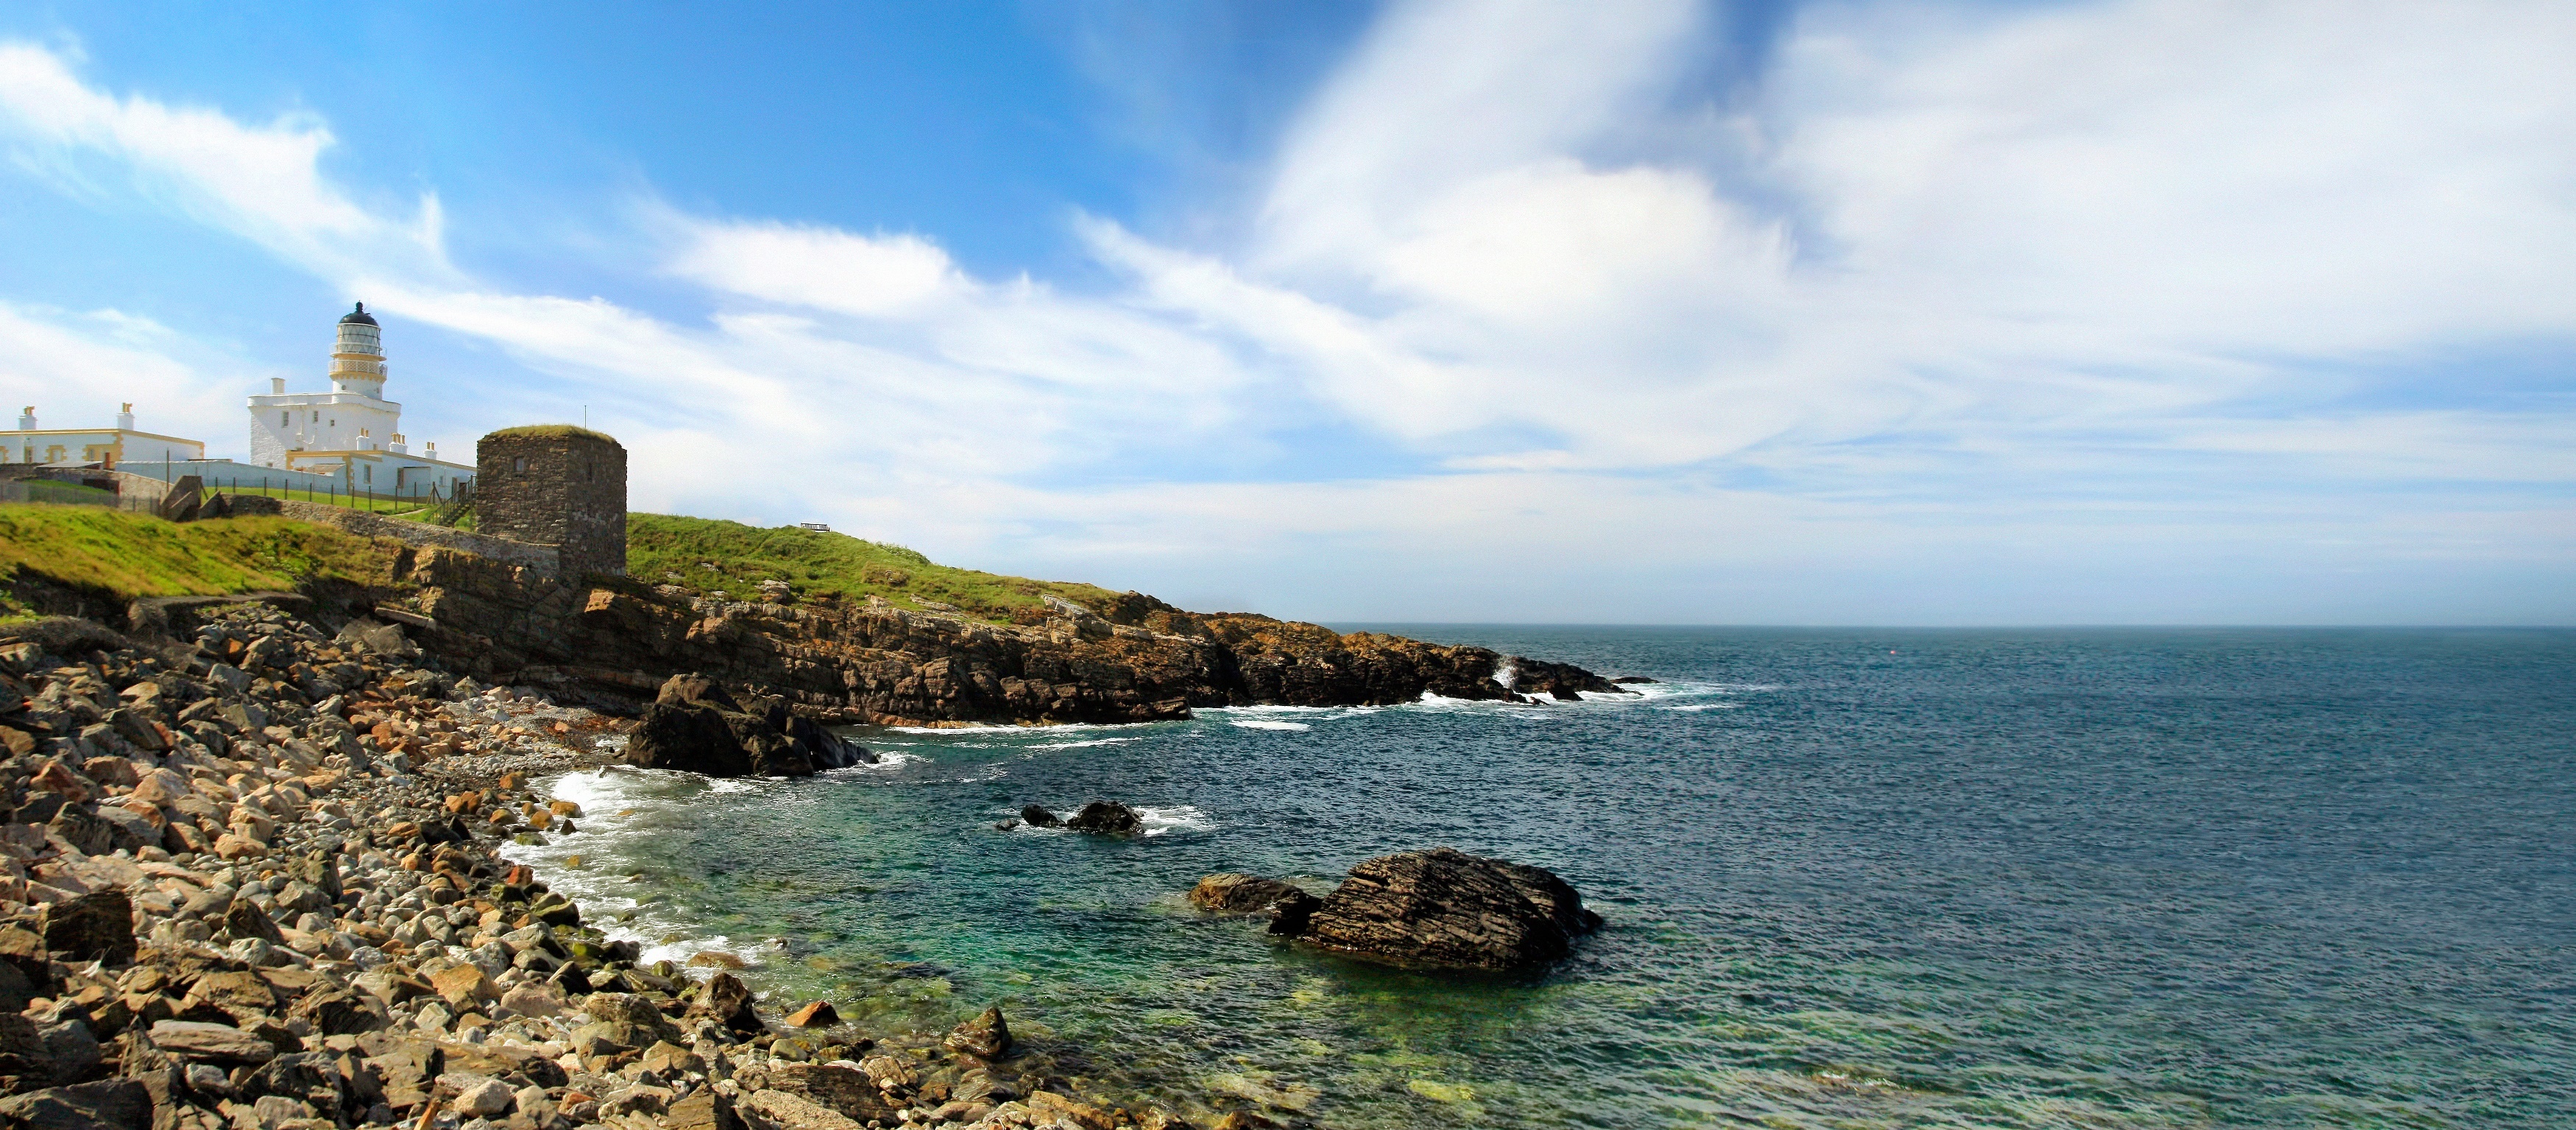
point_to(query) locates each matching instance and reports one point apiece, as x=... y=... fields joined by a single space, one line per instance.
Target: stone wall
x=141 y=494
x=542 y=560
x=560 y=486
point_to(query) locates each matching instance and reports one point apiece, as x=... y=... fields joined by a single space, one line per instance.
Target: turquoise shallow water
x=1852 y=878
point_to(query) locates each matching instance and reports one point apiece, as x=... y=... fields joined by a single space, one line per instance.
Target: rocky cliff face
x=1138 y=660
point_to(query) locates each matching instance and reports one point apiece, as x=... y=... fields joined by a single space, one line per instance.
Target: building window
x=281 y=420
x=519 y=464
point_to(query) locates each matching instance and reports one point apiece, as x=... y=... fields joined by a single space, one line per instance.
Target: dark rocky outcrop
x=695 y=726
x=1445 y=909
x=1037 y=816
x=1106 y=818
x=1136 y=659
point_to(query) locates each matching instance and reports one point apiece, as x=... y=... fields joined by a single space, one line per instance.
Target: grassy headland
x=711 y=555
x=127 y=556
x=136 y=555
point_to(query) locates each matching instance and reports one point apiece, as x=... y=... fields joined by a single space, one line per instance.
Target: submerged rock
x=1229 y=893
x=987 y=1036
x=1445 y=909
x=1106 y=818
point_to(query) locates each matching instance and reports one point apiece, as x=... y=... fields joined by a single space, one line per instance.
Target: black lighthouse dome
x=359 y=316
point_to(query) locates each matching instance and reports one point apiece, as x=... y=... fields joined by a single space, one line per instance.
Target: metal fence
x=446 y=505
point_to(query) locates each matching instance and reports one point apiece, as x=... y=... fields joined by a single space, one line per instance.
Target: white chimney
x=125 y=419
x=277 y=386
x=398 y=447
x=27 y=419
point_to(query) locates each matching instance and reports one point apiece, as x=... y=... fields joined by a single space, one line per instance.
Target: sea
x=2097 y=878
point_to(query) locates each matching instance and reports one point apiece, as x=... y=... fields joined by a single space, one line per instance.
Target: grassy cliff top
x=710 y=555
x=137 y=555
x=551 y=431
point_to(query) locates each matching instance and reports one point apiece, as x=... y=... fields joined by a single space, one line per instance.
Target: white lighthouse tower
x=351 y=433
x=358 y=358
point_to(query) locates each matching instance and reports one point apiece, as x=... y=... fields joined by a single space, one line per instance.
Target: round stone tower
x=358 y=358
x=558 y=485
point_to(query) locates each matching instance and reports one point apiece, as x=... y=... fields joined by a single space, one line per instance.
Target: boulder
x=337 y=1012
x=987 y=1036
x=94 y=927
x=794 y=1112
x=693 y=726
x=1037 y=816
x=22 y=1048
x=845 y=1091
x=244 y=919
x=109 y=1104
x=727 y=1001
x=815 y=1014
x=1289 y=915
x=825 y=749
x=1445 y=909
x=481 y=1098
x=693 y=689
x=704 y=1109
x=1229 y=893
x=211 y=1043
x=1106 y=818
x=689 y=738
x=632 y=1021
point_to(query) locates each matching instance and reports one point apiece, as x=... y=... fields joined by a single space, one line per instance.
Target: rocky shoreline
x=612 y=643
x=253 y=881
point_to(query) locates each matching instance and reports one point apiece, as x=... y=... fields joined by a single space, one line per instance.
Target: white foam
x=887 y=761
x=1695 y=707
x=1177 y=818
x=1094 y=742
x=982 y=730
x=1267 y=724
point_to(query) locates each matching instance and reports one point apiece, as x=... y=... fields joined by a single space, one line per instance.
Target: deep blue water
x=1887 y=878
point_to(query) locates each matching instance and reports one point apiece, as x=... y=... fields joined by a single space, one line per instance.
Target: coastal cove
x=2100 y=878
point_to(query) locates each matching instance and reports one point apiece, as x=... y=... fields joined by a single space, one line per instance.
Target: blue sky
x=1901 y=313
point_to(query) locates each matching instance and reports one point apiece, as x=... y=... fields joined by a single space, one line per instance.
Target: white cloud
x=261 y=182
x=1977 y=312
x=76 y=369
x=820 y=267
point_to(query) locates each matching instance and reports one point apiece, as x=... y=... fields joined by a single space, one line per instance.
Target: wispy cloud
x=260 y=182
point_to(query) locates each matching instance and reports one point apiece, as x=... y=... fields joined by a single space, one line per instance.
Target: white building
x=352 y=432
x=105 y=447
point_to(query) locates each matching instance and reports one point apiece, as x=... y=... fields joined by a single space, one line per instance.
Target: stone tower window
x=518 y=464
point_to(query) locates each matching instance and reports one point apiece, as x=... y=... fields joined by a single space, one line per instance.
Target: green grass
x=550 y=431
x=398 y=507
x=710 y=555
x=137 y=555
x=68 y=494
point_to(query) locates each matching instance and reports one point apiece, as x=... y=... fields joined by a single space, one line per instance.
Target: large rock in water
x=1106 y=818
x=694 y=726
x=1445 y=909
